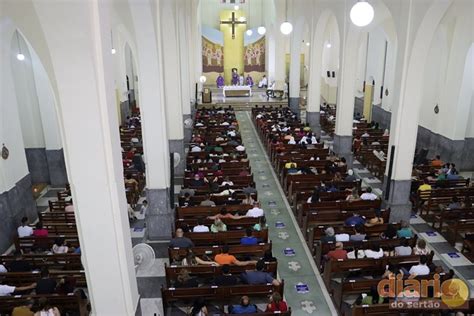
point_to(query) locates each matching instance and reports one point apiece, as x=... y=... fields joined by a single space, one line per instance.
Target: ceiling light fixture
x=362 y=13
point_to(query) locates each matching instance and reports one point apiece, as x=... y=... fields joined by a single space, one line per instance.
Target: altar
x=237 y=91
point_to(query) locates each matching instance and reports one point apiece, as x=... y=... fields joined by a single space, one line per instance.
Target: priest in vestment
x=249 y=81
x=220 y=81
x=235 y=77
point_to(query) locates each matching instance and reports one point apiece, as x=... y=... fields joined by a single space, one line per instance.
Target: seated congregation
x=220 y=254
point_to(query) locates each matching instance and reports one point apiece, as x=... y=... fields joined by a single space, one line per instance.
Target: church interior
x=220 y=157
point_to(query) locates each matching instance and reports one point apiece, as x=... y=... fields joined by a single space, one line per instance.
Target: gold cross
x=233 y=22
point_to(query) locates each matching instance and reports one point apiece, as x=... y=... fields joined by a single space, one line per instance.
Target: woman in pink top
x=40 y=231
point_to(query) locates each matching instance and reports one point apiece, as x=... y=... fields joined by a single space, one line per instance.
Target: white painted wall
x=435 y=74
x=15 y=167
x=470 y=123
x=47 y=104
x=27 y=100
x=375 y=60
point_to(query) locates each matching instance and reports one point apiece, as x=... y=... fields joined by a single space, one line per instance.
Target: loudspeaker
x=334 y=74
x=329 y=74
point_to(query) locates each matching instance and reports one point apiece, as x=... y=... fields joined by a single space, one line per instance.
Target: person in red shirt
x=338 y=253
x=276 y=304
x=40 y=231
x=131 y=153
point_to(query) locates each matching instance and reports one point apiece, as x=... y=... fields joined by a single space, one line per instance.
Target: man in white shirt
x=421 y=268
x=7 y=290
x=404 y=249
x=200 y=228
x=342 y=237
x=375 y=252
x=368 y=195
x=24 y=230
x=256 y=211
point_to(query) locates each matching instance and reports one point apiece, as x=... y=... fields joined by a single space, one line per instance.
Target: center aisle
x=299 y=268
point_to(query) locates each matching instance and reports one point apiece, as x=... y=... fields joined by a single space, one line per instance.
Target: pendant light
x=362 y=13
x=20 y=55
x=113 y=50
x=261 y=29
x=286 y=27
x=249 y=32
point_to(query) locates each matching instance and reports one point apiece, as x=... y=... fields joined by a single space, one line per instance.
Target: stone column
x=173 y=83
x=294 y=83
x=407 y=98
x=313 y=103
x=184 y=34
x=345 y=104
x=89 y=120
x=155 y=139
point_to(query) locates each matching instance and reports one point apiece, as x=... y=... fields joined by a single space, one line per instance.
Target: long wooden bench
x=204 y=211
x=218 y=293
x=70 y=261
x=45 y=242
x=323 y=248
x=227 y=237
x=172 y=271
x=333 y=267
x=64 y=303
x=27 y=278
x=211 y=251
x=336 y=205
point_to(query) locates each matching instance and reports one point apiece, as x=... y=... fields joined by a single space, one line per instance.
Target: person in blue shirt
x=404 y=231
x=244 y=307
x=248 y=239
x=354 y=220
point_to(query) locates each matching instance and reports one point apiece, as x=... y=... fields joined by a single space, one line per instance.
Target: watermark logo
x=431 y=293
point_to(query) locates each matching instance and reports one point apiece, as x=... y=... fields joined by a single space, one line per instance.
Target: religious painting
x=212 y=56
x=254 y=56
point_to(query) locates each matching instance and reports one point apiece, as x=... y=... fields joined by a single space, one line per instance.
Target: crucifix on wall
x=232 y=21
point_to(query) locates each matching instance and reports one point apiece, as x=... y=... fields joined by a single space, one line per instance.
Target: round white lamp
x=236 y=7
x=261 y=30
x=328 y=45
x=202 y=79
x=286 y=28
x=307 y=44
x=362 y=13
x=249 y=32
x=113 y=51
x=20 y=56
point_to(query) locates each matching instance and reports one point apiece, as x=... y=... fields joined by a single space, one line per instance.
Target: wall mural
x=254 y=56
x=212 y=56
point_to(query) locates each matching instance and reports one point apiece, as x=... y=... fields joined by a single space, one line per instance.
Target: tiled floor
x=296 y=269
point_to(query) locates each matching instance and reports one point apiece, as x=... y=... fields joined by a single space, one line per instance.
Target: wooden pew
x=27 y=278
x=211 y=251
x=63 y=302
x=465 y=225
x=222 y=238
x=218 y=293
x=70 y=261
x=337 y=205
x=333 y=267
x=45 y=242
x=204 y=211
x=172 y=271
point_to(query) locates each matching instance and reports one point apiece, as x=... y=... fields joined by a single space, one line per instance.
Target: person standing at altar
x=241 y=79
x=220 y=81
x=249 y=81
x=235 y=77
x=263 y=82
